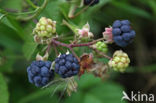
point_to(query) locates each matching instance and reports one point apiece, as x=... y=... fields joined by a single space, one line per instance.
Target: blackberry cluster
x=66 y=65
x=39 y=73
x=122 y=33
x=93 y=2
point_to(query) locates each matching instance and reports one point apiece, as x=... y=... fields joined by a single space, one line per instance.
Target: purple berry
x=116 y=32
x=125 y=28
x=39 y=73
x=117 y=24
x=69 y=67
x=126 y=36
x=132 y=34
x=125 y=22
x=122 y=33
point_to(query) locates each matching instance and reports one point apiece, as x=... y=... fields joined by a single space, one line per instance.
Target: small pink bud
x=85 y=32
x=107 y=34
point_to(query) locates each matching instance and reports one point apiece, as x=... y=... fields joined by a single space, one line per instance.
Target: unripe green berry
x=123 y=59
x=101 y=46
x=49 y=28
x=120 y=61
x=44 y=30
x=116 y=59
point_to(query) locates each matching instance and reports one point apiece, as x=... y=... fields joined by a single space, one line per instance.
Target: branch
x=54 y=42
x=75 y=45
x=71 y=46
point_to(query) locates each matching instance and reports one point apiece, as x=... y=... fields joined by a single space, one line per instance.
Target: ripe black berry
x=66 y=65
x=39 y=73
x=91 y=2
x=122 y=33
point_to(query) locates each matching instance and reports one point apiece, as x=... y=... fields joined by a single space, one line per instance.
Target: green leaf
x=29 y=48
x=12 y=4
x=132 y=9
x=109 y=92
x=91 y=12
x=4 y=95
x=94 y=90
x=152 y=4
x=76 y=97
x=40 y=95
x=8 y=39
x=89 y=98
x=35 y=96
x=88 y=80
x=20 y=31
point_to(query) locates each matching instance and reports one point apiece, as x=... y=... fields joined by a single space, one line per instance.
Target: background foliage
x=17 y=50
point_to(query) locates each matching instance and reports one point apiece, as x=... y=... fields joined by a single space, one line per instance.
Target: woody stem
x=71 y=46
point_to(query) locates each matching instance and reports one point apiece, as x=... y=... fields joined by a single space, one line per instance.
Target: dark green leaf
x=4 y=95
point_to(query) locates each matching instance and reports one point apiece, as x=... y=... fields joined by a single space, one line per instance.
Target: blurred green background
x=17 y=50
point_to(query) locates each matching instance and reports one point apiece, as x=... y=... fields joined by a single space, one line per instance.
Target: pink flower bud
x=107 y=34
x=85 y=32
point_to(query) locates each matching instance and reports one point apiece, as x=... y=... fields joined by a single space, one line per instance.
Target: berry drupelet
x=39 y=73
x=122 y=33
x=91 y=2
x=66 y=65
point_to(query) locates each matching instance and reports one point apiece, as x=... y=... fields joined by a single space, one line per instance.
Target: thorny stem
x=71 y=46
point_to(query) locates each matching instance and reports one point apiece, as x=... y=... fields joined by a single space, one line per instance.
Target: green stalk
x=72 y=10
x=31 y=4
x=40 y=9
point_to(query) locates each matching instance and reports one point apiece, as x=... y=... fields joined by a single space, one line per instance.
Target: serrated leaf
x=4 y=95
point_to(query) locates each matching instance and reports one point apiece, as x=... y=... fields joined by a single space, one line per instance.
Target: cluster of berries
x=120 y=61
x=122 y=33
x=44 y=29
x=101 y=46
x=66 y=65
x=91 y=2
x=39 y=72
